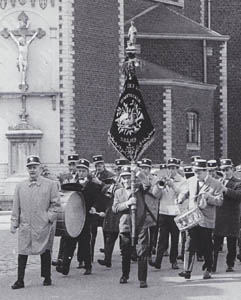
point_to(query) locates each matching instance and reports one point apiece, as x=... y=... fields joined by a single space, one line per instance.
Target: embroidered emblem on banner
x=129 y=116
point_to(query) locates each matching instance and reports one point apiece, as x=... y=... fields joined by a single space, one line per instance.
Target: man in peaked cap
x=123 y=200
x=70 y=177
x=227 y=222
x=92 y=196
x=111 y=220
x=104 y=178
x=35 y=207
x=168 y=210
x=205 y=193
x=213 y=169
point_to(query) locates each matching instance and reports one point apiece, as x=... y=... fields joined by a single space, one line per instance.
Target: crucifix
x=23 y=37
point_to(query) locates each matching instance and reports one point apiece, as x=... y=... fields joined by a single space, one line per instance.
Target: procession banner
x=131 y=131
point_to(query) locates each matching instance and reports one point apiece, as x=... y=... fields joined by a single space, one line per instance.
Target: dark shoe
x=185 y=274
x=88 y=271
x=143 y=284
x=153 y=264
x=175 y=266
x=59 y=269
x=102 y=250
x=18 y=285
x=153 y=251
x=207 y=275
x=166 y=253
x=102 y=262
x=47 y=282
x=123 y=279
x=229 y=269
x=54 y=263
x=239 y=257
x=81 y=265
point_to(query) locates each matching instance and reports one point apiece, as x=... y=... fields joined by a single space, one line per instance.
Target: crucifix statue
x=23 y=37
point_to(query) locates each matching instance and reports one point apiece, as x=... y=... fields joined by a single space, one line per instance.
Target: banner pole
x=133 y=206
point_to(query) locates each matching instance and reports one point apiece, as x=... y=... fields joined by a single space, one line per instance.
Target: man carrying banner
x=146 y=200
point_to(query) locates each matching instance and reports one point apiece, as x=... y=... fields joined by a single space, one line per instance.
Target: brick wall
x=226 y=19
x=192 y=9
x=153 y=98
x=96 y=75
x=184 y=57
x=200 y=101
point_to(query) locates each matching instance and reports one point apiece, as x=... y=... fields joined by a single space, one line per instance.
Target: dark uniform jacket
x=228 y=215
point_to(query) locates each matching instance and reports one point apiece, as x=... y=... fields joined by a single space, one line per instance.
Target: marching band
x=200 y=201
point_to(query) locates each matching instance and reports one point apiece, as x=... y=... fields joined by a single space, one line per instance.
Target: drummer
x=91 y=193
x=69 y=177
x=204 y=192
x=111 y=220
x=72 y=175
x=104 y=178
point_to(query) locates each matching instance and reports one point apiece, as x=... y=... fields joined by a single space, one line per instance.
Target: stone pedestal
x=23 y=141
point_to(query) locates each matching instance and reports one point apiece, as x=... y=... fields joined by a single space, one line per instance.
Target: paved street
x=103 y=284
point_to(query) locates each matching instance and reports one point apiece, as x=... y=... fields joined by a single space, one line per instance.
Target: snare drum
x=188 y=219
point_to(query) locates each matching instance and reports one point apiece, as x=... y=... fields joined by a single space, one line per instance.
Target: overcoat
x=228 y=215
x=213 y=188
x=35 y=209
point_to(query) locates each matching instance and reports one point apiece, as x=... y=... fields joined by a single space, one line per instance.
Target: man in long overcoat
x=227 y=222
x=35 y=207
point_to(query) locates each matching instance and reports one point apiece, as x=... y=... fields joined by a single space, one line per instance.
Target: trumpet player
x=175 y=187
x=205 y=193
x=227 y=222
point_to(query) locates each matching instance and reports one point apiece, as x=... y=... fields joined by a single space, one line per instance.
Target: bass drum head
x=75 y=213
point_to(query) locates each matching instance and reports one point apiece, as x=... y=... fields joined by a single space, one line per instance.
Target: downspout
x=209 y=14
x=204 y=61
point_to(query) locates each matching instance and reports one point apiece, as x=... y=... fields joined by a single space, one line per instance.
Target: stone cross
x=23 y=37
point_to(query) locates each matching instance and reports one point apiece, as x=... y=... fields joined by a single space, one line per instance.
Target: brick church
x=190 y=59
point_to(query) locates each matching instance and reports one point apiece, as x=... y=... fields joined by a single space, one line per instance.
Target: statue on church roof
x=132 y=33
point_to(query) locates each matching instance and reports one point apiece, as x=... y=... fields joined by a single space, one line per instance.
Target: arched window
x=193 y=129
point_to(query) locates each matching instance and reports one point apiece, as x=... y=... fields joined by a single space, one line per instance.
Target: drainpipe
x=209 y=14
x=204 y=61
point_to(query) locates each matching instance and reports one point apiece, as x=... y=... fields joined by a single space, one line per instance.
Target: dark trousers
x=167 y=225
x=231 y=245
x=94 y=231
x=45 y=265
x=153 y=231
x=142 y=247
x=61 y=248
x=110 y=239
x=84 y=241
x=200 y=238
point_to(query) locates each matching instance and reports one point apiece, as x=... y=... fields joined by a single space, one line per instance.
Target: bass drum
x=71 y=218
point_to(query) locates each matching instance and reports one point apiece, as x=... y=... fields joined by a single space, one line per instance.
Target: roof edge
x=168 y=36
x=175 y=82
